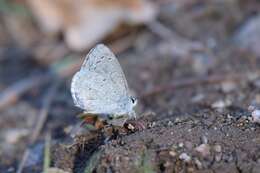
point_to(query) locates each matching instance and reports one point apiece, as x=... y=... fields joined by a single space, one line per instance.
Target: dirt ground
x=194 y=95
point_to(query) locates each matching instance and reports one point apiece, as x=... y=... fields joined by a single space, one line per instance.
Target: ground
x=194 y=101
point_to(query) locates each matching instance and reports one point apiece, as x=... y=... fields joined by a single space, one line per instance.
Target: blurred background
x=162 y=45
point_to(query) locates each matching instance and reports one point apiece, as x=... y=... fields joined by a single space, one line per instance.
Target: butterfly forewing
x=100 y=83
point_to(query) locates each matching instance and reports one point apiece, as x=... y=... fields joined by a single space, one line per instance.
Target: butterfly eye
x=133 y=100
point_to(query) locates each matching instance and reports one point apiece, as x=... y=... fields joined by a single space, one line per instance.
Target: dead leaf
x=86 y=22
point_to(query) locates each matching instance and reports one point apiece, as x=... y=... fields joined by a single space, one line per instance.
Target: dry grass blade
x=24 y=159
x=40 y=122
x=13 y=92
x=47 y=153
x=44 y=111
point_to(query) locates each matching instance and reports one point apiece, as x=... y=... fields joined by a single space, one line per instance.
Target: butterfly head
x=134 y=101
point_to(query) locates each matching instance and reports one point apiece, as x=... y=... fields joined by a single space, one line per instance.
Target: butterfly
x=100 y=87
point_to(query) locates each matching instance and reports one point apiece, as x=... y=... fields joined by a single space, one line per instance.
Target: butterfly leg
x=92 y=120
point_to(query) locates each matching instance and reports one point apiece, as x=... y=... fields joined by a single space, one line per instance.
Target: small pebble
x=217 y=148
x=198 y=163
x=197 y=98
x=185 y=157
x=180 y=145
x=130 y=127
x=170 y=123
x=177 y=120
x=203 y=149
x=172 y=153
x=152 y=124
x=228 y=86
x=220 y=104
x=188 y=145
x=256 y=116
x=204 y=139
x=11 y=169
x=218 y=157
x=251 y=108
x=12 y=136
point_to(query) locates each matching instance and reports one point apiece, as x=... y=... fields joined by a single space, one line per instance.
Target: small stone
x=220 y=104
x=251 y=108
x=11 y=169
x=188 y=145
x=170 y=123
x=130 y=127
x=177 y=120
x=180 y=145
x=217 y=148
x=198 y=163
x=185 y=157
x=218 y=157
x=204 y=139
x=256 y=116
x=172 y=153
x=12 y=136
x=152 y=124
x=197 y=98
x=203 y=149
x=228 y=86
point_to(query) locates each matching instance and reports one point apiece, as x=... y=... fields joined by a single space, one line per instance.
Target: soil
x=196 y=127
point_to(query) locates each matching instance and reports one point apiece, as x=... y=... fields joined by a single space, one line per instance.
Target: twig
x=12 y=93
x=24 y=159
x=161 y=30
x=47 y=153
x=121 y=45
x=47 y=53
x=40 y=122
x=47 y=100
x=214 y=79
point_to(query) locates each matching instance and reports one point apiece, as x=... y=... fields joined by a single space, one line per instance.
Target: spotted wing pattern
x=100 y=85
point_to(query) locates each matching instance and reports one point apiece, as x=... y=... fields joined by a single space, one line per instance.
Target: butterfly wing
x=100 y=84
x=102 y=61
